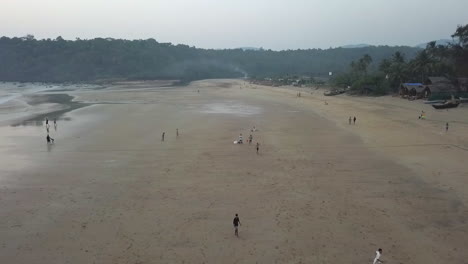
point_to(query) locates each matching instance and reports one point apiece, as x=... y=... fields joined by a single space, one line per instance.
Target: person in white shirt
x=378 y=253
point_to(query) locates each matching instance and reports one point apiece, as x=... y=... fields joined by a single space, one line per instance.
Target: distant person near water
x=47 y=122
x=446 y=127
x=350 y=119
x=177 y=132
x=250 y=139
x=55 y=121
x=258 y=147
x=162 y=137
x=236 y=222
x=378 y=253
x=49 y=139
x=354 y=120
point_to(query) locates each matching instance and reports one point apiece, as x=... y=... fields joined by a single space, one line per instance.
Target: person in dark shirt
x=236 y=223
x=354 y=120
x=49 y=139
x=258 y=146
x=162 y=137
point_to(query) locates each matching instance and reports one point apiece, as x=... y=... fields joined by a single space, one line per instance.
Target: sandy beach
x=319 y=191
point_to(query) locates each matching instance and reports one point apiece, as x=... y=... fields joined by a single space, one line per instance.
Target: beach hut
x=437 y=80
x=440 y=85
x=462 y=84
x=410 y=89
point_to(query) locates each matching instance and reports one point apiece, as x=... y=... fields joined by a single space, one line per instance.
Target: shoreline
x=65 y=100
x=56 y=99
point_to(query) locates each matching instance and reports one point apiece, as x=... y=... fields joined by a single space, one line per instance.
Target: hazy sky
x=275 y=24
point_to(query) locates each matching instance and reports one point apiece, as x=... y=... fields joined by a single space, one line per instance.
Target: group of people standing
x=163 y=136
x=353 y=120
x=249 y=140
x=423 y=117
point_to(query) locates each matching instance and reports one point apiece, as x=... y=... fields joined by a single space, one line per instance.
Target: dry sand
x=320 y=191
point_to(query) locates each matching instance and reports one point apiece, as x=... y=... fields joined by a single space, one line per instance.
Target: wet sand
x=320 y=191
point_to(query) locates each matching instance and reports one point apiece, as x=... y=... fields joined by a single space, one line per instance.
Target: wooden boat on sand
x=446 y=105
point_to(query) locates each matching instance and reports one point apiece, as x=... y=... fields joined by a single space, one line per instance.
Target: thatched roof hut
x=414 y=90
x=440 y=85
x=462 y=84
x=437 y=80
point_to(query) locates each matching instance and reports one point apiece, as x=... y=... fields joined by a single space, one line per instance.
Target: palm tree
x=398 y=70
x=423 y=64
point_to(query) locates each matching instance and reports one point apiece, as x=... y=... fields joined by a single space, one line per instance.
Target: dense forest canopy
x=59 y=60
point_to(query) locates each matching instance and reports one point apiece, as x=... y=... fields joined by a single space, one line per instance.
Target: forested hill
x=59 y=60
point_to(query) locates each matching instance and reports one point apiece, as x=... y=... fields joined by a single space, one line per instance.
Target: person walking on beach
x=250 y=139
x=446 y=127
x=236 y=222
x=378 y=253
x=55 y=122
x=163 y=134
x=49 y=139
x=47 y=122
x=354 y=120
x=258 y=147
x=177 y=132
x=350 y=119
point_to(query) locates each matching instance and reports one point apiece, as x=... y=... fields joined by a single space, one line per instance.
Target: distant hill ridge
x=421 y=46
x=443 y=42
x=354 y=46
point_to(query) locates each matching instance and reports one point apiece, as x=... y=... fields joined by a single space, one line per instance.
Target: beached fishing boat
x=434 y=102
x=450 y=104
x=334 y=92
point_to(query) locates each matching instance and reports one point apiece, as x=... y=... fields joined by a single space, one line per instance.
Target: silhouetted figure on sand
x=236 y=222
x=49 y=139
x=378 y=254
